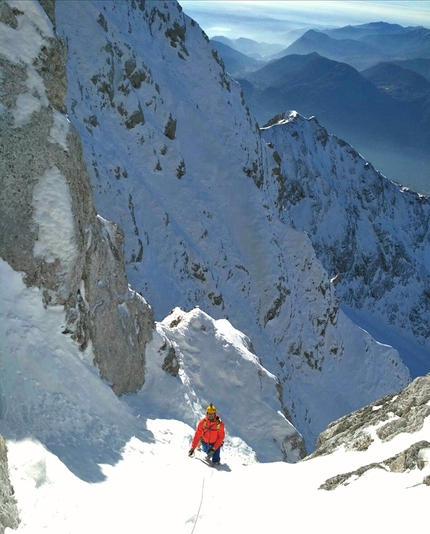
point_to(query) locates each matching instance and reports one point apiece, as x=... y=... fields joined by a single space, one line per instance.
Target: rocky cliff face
x=49 y=227
x=9 y=517
x=369 y=232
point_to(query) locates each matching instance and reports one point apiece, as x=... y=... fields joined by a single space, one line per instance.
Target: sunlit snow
x=84 y=461
x=93 y=464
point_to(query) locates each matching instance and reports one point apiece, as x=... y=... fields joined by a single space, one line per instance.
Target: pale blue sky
x=272 y=20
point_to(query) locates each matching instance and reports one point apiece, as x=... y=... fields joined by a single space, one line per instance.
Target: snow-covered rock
x=176 y=160
x=9 y=516
x=370 y=233
x=213 y=362
x=404 y=413
x=384 y=419
x=49 y=227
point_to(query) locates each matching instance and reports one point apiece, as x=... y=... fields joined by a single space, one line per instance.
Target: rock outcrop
x=49 y=226
x=382 y=420
x=393 y=414
x=9 y=517
x=410 y=458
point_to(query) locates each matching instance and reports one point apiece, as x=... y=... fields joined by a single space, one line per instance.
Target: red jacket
x=210 y=431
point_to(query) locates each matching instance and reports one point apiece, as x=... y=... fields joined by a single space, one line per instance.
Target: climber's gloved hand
x=211 y=452
x=191 y=453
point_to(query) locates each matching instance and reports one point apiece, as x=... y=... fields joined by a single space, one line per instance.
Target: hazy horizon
x=281 y=21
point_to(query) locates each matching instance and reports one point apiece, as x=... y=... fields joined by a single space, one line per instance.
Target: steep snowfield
x=45 y=379
x=155 y=487
x=176 y=224
x=83 y=460
x=176 y=160
x=214 y=362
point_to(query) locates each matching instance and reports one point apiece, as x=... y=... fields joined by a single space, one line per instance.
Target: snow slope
x=83 y=460
x=215 y=363
x=176 y=160
x=45 y=375
x=156 y=487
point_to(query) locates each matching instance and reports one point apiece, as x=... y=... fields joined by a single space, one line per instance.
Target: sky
x=273 y=21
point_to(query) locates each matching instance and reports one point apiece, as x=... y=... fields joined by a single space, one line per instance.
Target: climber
x=210 y=432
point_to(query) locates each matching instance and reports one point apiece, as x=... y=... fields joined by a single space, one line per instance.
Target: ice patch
x=59 y=130
x=54 y=217
x=31 y=101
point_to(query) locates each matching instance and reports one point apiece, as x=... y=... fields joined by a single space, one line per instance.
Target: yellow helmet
x=211 y=409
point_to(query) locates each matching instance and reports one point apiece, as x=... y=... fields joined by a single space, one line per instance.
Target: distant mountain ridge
x=361 y=46
x=249 y=47
x=365 y=45
x=362 y=30
x=349 y=103
x=236 y=63
x=383 y=111
x=419 y=65
x=401 y=83
x=353 y=52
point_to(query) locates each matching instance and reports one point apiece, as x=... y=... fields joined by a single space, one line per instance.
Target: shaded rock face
x=388 y=417
x=9 y=517
x=49 y=226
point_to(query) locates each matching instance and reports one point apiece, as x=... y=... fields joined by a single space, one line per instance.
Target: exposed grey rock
x=170 y=128
x=405 y=412
x=8 y=15
x=406 y=460
x=49 y=7
x=51 y=65
x=116 y=319
x=9 y=516
x=170 y=363
x=49 y=226
x=136 y=118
